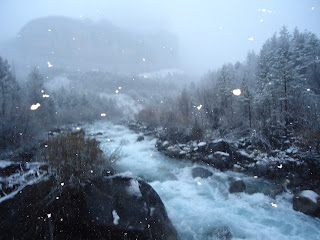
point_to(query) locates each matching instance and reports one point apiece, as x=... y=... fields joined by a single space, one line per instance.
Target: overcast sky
x=210 y=32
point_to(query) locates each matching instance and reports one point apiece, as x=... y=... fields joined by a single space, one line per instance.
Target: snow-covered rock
x=218 y=145
x=173 y=151
x=307 y=202
x=103 y=209
x=222 y=154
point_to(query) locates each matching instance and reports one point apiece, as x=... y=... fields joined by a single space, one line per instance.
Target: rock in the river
x=201 y=172
x=173 y=151
x=116 y=207
x=140 y=138
x=237 y=185
x=307 y=202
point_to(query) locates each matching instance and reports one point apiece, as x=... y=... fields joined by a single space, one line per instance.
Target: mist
x=209 y=33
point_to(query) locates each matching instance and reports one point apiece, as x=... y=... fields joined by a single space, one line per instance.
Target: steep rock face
x=117 y=207
x=72 y=44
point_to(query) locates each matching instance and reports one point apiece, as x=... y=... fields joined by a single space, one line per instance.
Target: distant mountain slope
x=72 y=44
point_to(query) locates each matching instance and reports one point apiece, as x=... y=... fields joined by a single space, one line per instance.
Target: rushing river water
x=198 y=206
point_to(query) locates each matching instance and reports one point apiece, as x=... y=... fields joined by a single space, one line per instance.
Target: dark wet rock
x=220 y=233
x=260 y=169
x=44 y=167
x=10 y=169
x=237 y=185
x=162 y=145
x=221 y=161
x=241 y=156
x=117 y=207
x=140 y=139
x=26 y=155
x=201 y=172
x=173 y=151
x=202 y=146
x=307 y=202
x=218 y=146
x=236 y=168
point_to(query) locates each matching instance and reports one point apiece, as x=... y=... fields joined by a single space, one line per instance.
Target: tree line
x=28 y=111
x=273 y=96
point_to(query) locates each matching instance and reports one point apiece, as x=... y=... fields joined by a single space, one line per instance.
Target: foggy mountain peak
x=80 y=45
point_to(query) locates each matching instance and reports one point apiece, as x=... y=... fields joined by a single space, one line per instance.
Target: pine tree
x=9 y=105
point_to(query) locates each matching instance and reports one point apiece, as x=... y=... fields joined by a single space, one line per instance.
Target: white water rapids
x=197 y=206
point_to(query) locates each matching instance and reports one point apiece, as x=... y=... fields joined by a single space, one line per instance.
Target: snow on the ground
x=202 y=144
x=221 y=153
x=116 y=217
x=5 y=163
x=310 y=194
x=134 y=188
x=19 y=180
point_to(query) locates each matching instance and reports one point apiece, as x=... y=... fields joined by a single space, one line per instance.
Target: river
x=198 y=206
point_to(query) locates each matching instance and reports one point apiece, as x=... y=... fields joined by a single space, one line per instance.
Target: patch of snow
x=202 y=144
x=186 y=149
x=126 y=174
x=217 y=140
x=310 y=194
x=115 y=217
x=134 y=188
x=165 y=143
x=5 y=163
x=152 y=211
x=182 y=152
x=244 y=153
x=222 y=153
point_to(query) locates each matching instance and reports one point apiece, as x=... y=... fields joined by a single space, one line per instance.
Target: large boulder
x=218 y=145
x=116 y=207
x=201 y=172
x=237 y=185
x=307 y=202
x=221 y=161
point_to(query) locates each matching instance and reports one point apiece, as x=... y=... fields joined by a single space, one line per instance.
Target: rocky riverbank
x=289 y=169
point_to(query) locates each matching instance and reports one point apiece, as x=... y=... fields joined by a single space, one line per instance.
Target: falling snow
x=35 y=106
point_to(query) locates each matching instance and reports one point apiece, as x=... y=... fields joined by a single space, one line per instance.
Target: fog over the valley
x=208 y=33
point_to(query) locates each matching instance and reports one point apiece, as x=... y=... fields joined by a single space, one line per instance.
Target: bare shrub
x=75 y=159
